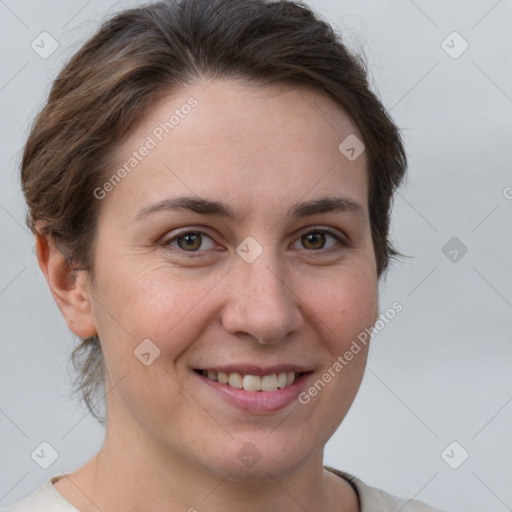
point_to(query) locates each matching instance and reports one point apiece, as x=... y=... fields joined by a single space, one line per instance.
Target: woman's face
x=282 y=285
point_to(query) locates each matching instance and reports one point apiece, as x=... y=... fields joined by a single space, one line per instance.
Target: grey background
x=440 y=371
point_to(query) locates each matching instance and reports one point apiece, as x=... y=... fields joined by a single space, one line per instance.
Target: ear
x=69 y=287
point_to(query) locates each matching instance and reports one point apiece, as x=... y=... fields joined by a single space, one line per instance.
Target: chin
x=258 y=457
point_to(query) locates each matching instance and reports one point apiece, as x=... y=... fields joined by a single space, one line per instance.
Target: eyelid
x=340 y=237
x=167 y=240
x=336 y=233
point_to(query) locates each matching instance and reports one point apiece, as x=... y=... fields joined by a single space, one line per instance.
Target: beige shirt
x=47 y=499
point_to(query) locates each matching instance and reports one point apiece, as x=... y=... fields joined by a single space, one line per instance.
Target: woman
x=209 y=185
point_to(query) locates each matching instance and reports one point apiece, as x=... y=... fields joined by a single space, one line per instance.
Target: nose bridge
x=261 y=303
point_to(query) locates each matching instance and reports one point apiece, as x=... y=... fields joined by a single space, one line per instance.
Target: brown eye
x=317 y=239
x=190 y=241
x=314 y=240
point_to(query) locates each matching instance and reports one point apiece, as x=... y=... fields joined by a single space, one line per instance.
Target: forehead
x=242 y=141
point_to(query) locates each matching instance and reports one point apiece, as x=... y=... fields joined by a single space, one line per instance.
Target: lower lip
x=257 y=401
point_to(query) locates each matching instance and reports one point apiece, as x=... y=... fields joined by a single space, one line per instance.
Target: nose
x=262 y=305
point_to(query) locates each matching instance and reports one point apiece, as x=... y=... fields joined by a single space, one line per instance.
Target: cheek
x=156 y=302
x=146 y=319
x=345 y=305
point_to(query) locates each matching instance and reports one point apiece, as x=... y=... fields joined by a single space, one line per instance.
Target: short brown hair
x=142 y=55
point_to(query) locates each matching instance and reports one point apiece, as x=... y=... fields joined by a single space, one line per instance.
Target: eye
x=198 y=241
x=316 y=239
x=189 y=241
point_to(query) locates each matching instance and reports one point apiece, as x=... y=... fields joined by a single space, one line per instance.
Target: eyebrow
x=202 y=206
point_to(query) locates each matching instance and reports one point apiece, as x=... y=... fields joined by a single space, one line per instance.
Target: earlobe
x=69 y=287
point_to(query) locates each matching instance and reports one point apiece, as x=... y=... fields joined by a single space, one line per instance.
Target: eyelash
x=167 y=243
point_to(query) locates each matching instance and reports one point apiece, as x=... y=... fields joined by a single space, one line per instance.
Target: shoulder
x=373 y=499
x=44 y=499
x=47 y=499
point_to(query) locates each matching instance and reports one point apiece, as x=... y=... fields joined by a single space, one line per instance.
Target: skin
x=171 y=443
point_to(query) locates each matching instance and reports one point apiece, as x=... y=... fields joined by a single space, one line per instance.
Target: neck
x=149 y=478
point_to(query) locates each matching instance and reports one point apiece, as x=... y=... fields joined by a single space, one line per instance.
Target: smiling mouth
x=264 y=383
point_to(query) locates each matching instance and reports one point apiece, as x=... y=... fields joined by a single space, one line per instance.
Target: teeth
x=235 y=380
x=253 y=382
x=269 y=382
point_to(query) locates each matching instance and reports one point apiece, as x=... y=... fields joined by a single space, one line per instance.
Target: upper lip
x=253 y=369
